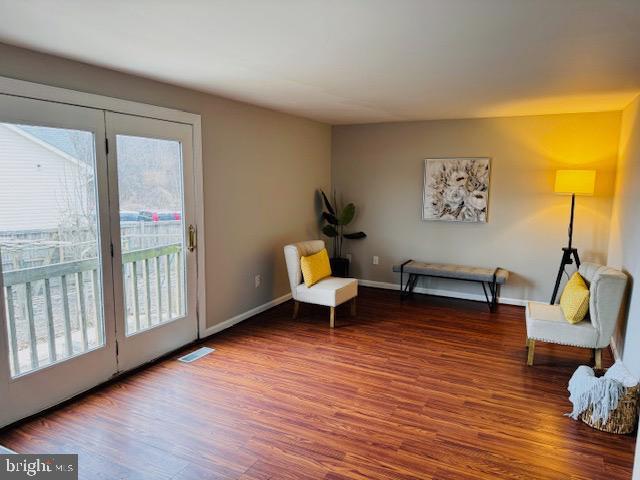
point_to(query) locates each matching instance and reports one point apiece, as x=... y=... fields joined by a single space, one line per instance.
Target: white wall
x=380 y=168
x=624 y=246
x=261 y=169
x=636 y=465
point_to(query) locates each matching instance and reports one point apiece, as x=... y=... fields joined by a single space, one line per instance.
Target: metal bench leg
x=494 y=290
x=408 y=288
x=492 y=302
x=413 y=284
x=486 y=296
x=402 y=288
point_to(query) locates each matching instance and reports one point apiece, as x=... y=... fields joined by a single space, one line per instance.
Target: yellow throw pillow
x=315 y=267
x=575 y=299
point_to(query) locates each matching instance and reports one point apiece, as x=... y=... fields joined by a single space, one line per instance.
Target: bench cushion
x=459 y=272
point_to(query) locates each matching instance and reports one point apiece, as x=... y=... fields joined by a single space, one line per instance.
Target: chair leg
x=597 y=352
x=332 y=317
x=354 y=307
x=531 y=352
x=296 y=309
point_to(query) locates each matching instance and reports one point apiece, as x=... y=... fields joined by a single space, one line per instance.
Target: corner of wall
x=624 y=232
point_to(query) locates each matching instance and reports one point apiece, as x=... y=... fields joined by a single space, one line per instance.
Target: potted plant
x=336 y=220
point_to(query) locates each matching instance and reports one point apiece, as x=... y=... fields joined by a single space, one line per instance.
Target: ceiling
x=357 y=61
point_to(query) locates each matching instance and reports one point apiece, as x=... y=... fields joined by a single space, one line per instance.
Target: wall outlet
x=348 y=257
x=258 y=280
x=376 y=260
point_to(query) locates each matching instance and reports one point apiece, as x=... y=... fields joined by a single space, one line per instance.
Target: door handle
x=192 y=238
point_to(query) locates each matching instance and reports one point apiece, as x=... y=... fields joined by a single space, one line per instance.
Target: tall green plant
x=336 y=220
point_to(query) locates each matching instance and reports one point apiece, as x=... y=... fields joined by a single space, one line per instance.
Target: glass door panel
x=49 y=244
x=151 y=230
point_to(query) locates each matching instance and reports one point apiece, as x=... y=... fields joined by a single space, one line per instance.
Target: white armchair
x=330 y=291
x=546 y=322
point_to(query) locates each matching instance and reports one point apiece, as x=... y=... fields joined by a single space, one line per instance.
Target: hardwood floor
x=427 y=388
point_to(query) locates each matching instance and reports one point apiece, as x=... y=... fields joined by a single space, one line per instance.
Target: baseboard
x=441 y=293
x=365 y=283
x=243 y=316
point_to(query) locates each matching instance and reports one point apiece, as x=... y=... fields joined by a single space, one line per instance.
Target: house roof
x=40 y=140
x=60 y=138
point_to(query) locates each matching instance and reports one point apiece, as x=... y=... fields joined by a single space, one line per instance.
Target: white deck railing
x=55 y=311
x=153 y=286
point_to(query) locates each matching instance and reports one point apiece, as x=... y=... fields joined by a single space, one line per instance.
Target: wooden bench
x=491 y=278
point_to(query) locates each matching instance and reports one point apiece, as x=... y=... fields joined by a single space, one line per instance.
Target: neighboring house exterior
x=41 y=186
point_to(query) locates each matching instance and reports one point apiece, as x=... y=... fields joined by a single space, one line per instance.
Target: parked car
x=129 y=216
x=149 y=216
x=168 y=216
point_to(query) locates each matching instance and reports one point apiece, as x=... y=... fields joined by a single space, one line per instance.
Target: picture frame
x=456 y=189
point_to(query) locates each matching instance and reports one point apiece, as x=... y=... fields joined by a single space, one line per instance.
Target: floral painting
x=456 y=189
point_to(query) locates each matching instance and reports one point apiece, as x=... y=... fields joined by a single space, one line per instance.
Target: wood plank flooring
x=425 y=389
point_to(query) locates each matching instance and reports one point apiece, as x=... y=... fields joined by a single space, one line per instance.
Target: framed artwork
x=456 y=189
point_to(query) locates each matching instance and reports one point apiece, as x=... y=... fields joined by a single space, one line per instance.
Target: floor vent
x=195 y=355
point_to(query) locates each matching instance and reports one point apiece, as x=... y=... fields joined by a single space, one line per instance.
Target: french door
x=151 y=175
x=97 y=261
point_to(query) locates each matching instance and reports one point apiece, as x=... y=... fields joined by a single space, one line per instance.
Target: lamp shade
x=579 y=182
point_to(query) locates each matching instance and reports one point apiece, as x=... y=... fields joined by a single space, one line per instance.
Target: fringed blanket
x=587 y=390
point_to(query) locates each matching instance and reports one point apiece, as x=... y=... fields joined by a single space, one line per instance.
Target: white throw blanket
x=620 y=373
x=601 y=393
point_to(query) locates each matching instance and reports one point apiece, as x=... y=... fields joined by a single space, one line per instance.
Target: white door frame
x=21 y=88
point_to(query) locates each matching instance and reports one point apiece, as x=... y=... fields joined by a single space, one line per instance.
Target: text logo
x=57 y=466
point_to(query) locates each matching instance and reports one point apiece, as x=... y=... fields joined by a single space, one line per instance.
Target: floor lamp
x=571 y=182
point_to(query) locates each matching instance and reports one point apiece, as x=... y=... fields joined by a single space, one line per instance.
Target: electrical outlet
x=258 y=280
x=376 y=260
x=348 y=256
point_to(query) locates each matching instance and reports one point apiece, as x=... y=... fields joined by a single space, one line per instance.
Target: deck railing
x=145 y=272
x=55 y=311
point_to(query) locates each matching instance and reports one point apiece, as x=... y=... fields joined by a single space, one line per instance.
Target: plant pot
x=339 y=267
